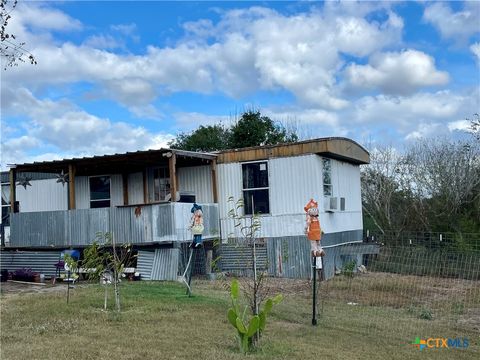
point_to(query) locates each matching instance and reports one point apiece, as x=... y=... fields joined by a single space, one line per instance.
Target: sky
x=121 y=76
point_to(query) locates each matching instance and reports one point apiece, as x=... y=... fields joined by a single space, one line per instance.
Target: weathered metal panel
x=130 y=224
x=42 y=262
x=82 y=192
x=183 y=214
x=198 y=180
x=289 y=257
x=145 y=264
x=116 y=190
x=165 y=264
x=236 y=257
x=42 y=195
x=135 y=188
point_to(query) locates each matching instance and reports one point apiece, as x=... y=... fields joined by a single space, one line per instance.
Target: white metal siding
x=43 y=195
x=292 y=182
x=116 y=190
x=82 y=192
x=135 y=188
x=229 y=180
x=197 y=179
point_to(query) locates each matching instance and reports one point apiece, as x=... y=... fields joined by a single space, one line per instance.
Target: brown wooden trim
x=337 y=148
x=71 y=186
x=13 y=189
x=214 y=181
x=125 y=188
x=145 y=187
x=172 y=165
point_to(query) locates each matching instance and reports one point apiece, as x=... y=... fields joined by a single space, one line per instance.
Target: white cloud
x=423 y=130
x=103 y=42
x=250 y=49
x=452 y=24
x=397 y=73
x=461 y=125
x=71 y=130
x=475 y=49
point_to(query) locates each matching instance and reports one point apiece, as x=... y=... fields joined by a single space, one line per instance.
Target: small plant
x=425 y=314
x=106 y=260
x=247 y=330
x=24 y=275
x=348 y=268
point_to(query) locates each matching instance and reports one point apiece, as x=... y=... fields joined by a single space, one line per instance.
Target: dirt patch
x=9 y=288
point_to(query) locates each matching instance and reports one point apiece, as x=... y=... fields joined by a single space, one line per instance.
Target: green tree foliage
x=205 y=138
x=252 y=129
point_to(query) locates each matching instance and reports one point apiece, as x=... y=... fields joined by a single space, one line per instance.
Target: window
x=255 y=188
x=99 y=191
x=161 y=183
x=6 y=205
x=327 y=177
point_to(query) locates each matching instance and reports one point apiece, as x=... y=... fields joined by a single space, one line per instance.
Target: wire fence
x=424 y=285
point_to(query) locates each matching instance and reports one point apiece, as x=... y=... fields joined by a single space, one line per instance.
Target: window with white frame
x=99 y=191
x=255 y=188
x=161 y=183
x=327 y=177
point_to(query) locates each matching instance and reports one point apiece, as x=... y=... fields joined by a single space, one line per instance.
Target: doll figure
x=196 y=225
x=313 y=229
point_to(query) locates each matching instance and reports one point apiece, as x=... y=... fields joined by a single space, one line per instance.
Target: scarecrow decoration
x=196 y=225
x=313 y=229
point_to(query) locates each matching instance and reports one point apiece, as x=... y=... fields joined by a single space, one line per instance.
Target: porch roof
x=126 y=162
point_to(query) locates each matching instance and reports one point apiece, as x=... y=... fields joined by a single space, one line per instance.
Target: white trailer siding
x=292 y=182
x=198 y=180
x=43 y=195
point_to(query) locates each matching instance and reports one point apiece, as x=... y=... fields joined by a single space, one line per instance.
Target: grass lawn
x=159 y=321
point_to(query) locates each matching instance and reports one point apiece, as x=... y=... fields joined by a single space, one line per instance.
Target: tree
x=253 y=129
x=205 y=138
x=12 y=51
x=475 y=125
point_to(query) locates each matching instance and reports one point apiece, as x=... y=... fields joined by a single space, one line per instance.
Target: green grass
x=158 y=321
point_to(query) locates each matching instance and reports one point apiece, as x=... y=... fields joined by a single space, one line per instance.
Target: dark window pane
x=255 y=175
x=6 y=215
x=99 y=204
x=259 y=198
x=100 y=188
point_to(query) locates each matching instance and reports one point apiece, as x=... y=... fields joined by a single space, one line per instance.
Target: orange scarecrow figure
x=313 y=229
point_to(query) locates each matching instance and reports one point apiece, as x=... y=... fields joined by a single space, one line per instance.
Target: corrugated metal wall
x=135 y=188
x=236 y=257
x=38 y=261
x=136 y=225
x=43 y=195
x=161 y=264
x=82 y=192
x=292 y=182
x=116 y=190
x=197 y=179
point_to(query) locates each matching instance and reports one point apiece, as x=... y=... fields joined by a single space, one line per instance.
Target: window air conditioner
x=330 y=204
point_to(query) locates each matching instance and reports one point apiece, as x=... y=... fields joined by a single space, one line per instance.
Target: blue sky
x=121 y=76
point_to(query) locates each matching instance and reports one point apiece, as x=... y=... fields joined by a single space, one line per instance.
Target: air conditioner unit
x=330 y=204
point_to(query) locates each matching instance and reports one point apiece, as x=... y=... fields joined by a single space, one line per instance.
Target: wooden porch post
x=71 y=186
x=214 y=180
x=172 y=164
x=13 y=193
x=125 y=188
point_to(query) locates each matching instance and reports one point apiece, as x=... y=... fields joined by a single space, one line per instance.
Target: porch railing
x=143 y=224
